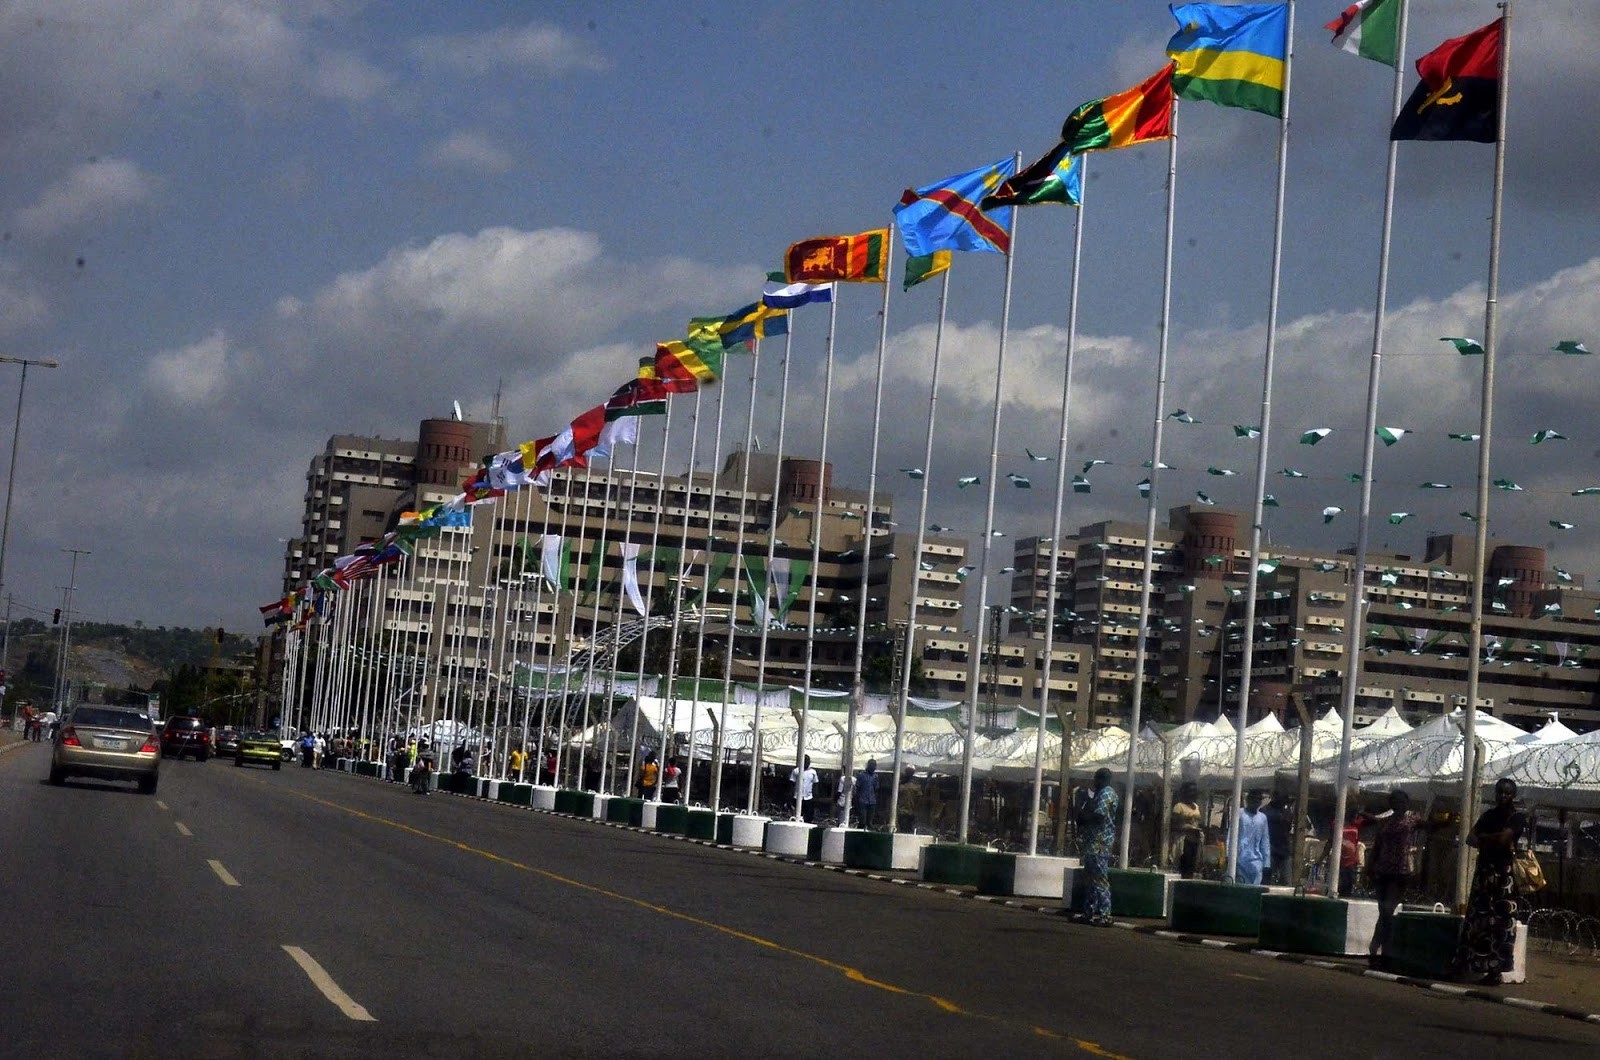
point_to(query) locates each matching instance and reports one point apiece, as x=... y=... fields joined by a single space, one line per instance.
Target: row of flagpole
x=329 y=678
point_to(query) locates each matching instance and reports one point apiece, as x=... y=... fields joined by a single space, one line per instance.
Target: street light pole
x=11 y=479
x=63 y=685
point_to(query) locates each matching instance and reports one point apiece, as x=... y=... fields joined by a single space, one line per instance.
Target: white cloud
x=192 y=375
x=535 y=48
x=89 y=192
x=471 y=149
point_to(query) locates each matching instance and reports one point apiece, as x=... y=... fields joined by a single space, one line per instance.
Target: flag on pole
x=754 y=321
x=688 y=365
x=630 y=578
x=557 y=562
x=508 y=471
x=859 y=258
x=779 y=293
x=1458 y=97
x=1057 y=177
x=946 y=216
x=1135 y=116
x=638 y=397
x=1370 y=29
x=1234 y=55
x=925 y=267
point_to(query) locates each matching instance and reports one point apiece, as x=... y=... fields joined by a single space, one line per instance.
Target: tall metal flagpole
x=1480 y=546
x=555 y=620
x=738 y=582
x=765 y=611
x=816 y=559
x=975 y=661
x=1055 y=524
x=705 y=589
x=612 y=509
x=1355 y=624
x=1164 y=342
x=616 y=643
x=649 y=593
x=1253 y=577
x=847 y=762
x=916 y=566
x=572 y=640
x=669 y=713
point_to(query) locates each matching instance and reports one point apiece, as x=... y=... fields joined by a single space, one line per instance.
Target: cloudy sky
x=242 y=227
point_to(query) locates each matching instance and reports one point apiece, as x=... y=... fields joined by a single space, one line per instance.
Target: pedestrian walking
x=1394 y=862
x=1186 y=835
x=1488 y=938
x=670 y=778
x=866 y=801
x=517 y=759
x=1097 y=828
x=804 y=785
x=1255 y=842
x=648 y=774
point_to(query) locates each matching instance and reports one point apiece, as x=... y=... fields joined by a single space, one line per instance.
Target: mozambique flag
x=1459 y=95
x=825 y=259
x=946 y=215
x=1139 y=115
x=689 y=365
x=1057 y=177
x=925 y=267
x=1234 y=55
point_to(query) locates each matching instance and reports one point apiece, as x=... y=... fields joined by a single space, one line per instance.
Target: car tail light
x=69 y=737
x=150 y=744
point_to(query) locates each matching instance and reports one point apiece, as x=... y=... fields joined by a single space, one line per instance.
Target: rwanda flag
x=1459 y=95
x=947 y=216
x=1234 y=55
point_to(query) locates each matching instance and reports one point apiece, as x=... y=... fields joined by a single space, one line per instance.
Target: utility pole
x=63 y=685
x=11 y=479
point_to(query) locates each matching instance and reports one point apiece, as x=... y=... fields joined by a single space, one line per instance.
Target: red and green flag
x=1370 y=29
x=1138 y=115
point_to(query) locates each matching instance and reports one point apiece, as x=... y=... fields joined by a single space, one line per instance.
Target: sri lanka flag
x=946 y=215
x=1459 y=96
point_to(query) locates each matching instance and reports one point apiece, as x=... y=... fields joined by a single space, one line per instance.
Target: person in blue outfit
x=1255 y=841
x=1097 y=829
x=867 y=795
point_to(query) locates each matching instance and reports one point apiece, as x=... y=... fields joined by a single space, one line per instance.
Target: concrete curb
x=1055 y=910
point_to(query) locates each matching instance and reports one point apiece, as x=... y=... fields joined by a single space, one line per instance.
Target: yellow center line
x=853 y=974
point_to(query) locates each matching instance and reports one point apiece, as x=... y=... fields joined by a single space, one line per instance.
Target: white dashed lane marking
x=330 y=989
x=183 y=829
x=222 y=874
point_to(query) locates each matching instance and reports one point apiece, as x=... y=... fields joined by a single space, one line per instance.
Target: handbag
x=1526 y=874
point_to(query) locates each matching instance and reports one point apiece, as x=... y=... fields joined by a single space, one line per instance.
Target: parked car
x=228 y=741
x=260 y=748
x=186 y=736
x=108 y=743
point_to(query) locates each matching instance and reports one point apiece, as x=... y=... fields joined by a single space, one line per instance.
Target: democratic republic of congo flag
x=1459 y=95
x=859 y=258
x=1234 y=55
x=946 y=215
x=1138 y=115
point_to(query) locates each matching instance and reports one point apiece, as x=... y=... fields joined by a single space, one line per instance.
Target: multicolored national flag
x=745 y=324
x=1135 y=116
x=1055 y=178
x=279 y=611
x=946 y=215
x=859 y=258
x=688 y=365
x=1234 y=55
x=1459 y=95
x=925 y=267
x=779 y=293
x=1370 y=29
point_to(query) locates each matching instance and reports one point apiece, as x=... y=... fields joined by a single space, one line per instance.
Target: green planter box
x=670 y=817
x=366 y=769
x=636 y=812
x=481 y=787
x=1204 y=907
x=725 y=828
x=997 y=873
x=583 y=803
x=517 y=794
x=1308 y=924
x=701 y=824
x=625 y=811
x=1134 y=892
x=1423 y=944
x=814 y=844
x=869 y=850
x=953 y=863
x=567 y=800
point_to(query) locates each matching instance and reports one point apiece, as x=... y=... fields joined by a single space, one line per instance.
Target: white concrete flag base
x=601 y=800
x=749 y=831
x=788 y=838
x=1038 y=876
x=906 y=853
x=833 y=844
x=544 y=797
x=647 y=819
x=492 y=790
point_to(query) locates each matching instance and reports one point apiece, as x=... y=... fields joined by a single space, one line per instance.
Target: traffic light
x=57 y=620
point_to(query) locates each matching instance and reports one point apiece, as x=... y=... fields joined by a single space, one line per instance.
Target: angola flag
x=1139 y=115
x=1459 y=95
x=825 y=259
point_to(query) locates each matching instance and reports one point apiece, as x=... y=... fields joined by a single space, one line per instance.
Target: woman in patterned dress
x=1489 y=935
x=1098 y=828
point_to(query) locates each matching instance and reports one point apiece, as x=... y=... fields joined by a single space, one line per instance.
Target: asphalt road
x=242 y=912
